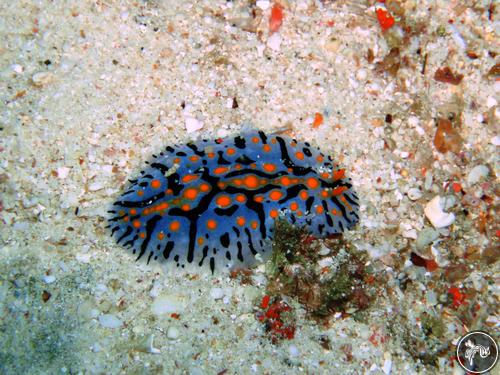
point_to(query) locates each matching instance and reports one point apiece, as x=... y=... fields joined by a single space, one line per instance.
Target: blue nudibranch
x=214 y=203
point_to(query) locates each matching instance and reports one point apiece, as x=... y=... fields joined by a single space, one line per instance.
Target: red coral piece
x=457 y=296
x=385 y=19
x=276 y=18
x=277 y=324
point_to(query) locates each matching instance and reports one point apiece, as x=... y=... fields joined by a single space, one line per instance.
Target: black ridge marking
x=169 y=246
x=325 y=208
x=245 y=160
x=239 y=142
x=255 y=172
x=342 y=208
x=221 y=159
x=193 y=147
x=224 y=240
x=161 y=167
x=237 y=231
x=309 y=203
x=150 y=227
x=296 y=170
x=329 y=220
x=212 y=265
x=320 y=228
x=240 y=255
x=292 y=192
x=205 y=252
x=173 y=183
x=341 y=226
x=293 y=219
x=147 y=176
x=132 y=181
x=176 y=257
x=127 y=233
x=354 y=203
x=354 y=195
x=250 y=244
x=263 y=137
x=307 y=152
x=158 y=247
x=228 y=255
x=170 y=149
x=110 y=211
x=307 y=144
x=192 y=236
x=226 y=211
x=116 y=218
x=114 y=230
x=141 y=204
x=149 y=257
x=308 y=221
x=131 y=243
x=143 y=184
x=181 y=153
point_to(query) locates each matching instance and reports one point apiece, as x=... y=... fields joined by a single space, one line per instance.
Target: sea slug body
x=214 y=203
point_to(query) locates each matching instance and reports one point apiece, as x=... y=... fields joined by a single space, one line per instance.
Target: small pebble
x=193 y=124
x=293 y=350
x=425 y=237
x=431 y=298
x=477 y=173
x=42 y=79
x=48 y=279
x=434 y=212
x=411 y=233
x=83 y=258
x=414 y=194
x=387 y=366
x=155 y=290
x=491 y=102
x=172 y=333
x=274 y=42
x=262 y=4
x=168 y=304
x=361 y=74
x=146 y=345
x=217 y=293
x=95 y=186
x=62 y=172
x=324 y=250
x=17 y=68
x=428 y=180
x=404 y=154
x=448 y=202
x=110 y=321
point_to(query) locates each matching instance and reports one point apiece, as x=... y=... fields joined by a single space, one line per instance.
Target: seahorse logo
x=474 y=349
x=477 y=352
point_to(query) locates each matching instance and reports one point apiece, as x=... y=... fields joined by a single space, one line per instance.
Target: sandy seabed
x=91 y=89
